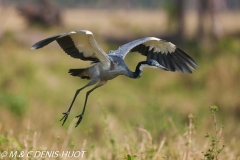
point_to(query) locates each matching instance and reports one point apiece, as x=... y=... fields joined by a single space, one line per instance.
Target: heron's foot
x=64 y=118
x=80 y=117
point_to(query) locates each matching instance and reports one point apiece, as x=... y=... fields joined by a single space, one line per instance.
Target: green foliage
x=17 y=104
x=229 y=44
x=72 y=145
x=4 y=141
x=128 y=157
x=214 y=110
x=171 y=9
x=165 y=157
x=214 y=150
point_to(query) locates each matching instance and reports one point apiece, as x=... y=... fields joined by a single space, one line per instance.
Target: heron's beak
x=162 y=67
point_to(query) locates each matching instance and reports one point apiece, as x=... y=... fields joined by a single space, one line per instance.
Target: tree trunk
x=180 y=19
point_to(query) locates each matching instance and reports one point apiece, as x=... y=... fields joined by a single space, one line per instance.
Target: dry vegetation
x=160 y=116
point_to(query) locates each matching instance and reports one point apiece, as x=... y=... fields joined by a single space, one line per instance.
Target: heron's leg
x=80 y=117
x=64 y=118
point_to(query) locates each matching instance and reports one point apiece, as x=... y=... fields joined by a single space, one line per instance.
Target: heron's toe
x=80 y=117
x=64 y=118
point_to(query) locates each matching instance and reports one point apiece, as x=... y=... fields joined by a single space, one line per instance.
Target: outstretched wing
x=78 y=44
x=166 y=53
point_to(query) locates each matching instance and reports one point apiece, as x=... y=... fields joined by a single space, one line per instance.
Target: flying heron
x=81 y=44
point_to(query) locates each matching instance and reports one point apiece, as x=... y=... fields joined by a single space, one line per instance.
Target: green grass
x=138 y=142
x=214 y=149
x=163 y=115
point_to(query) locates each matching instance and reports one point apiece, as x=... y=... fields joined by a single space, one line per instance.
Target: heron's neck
x=138 y=70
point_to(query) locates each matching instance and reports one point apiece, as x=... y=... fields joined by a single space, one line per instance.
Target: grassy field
x=162 y=116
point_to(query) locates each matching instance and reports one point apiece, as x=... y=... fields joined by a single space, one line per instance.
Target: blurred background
x=35 y=87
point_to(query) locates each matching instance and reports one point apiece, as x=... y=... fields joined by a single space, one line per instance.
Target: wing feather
x=185 y=61
x=160 y=59
x=78 y=44
x=166 y=53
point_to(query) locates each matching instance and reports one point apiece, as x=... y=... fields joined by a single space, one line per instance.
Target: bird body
x=117 y=67
x=82 y=45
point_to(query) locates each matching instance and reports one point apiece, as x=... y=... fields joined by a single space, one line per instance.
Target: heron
x=82 y=45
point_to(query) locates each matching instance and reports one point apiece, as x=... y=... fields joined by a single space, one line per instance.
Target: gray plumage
x=82 y=45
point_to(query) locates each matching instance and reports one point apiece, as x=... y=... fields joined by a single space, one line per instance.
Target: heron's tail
x=79 y=72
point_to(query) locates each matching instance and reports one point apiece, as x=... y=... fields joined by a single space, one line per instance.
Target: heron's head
x=154 y=64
